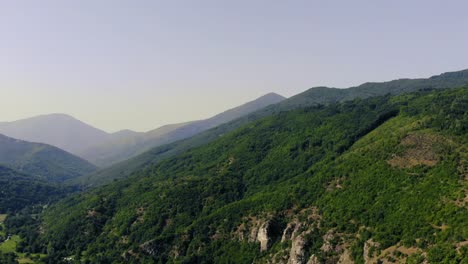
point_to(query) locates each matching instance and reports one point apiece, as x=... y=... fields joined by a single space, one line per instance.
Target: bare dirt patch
x=441 y=227
x=420 y=149
x=464 y=202
x=388 y=255
x=460 y=245
x=335 y=184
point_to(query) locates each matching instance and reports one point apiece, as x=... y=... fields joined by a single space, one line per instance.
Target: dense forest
x=19 y=190
x=368 y=180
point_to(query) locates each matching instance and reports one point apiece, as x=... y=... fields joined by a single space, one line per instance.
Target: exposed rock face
x=255 y=230
x=262 y=236
x=266 y=232
x=313 y=260
x=297 y=232
x=253 y=234
x=288 y=231
x=150 y=248
x=248 y=231
x=346 y=258
x=367 y=246
x=298 y=254
x=327 y=241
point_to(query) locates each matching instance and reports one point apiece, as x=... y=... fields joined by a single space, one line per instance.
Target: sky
x=126 y=64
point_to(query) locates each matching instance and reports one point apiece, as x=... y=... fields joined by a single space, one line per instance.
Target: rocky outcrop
x=297 y=254
x=327 y=241
x=297 y=232
x=289 y=230
x=313 y=260
x=263 y=236
x=150 y=248
x=265 y=232
x=253 y=234
x=367 y=250
x=269 y=229
x=345 y=258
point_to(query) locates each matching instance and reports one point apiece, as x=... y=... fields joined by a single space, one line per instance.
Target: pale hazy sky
x=140 y=64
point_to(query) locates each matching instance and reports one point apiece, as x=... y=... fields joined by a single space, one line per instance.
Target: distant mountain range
x=118 y=149
x=104 y=149
x=59 y=130
x=43 y=161
x=312 y=97
x=125 y=144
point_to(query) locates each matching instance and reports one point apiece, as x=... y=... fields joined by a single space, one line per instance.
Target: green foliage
x=19 y=190
x=443 y=253
x=312 y=97
x=122 y=147
x=47 y=162
x=8 y=258
x=348 y=159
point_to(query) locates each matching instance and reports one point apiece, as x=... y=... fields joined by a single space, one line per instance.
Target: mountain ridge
x=311 y=97
x=320 y=183
x=48 y=162
x=114 y=151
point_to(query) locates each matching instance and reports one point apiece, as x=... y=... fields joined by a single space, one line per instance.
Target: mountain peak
x=59 y=130
x=53 y=116
x=272 y=95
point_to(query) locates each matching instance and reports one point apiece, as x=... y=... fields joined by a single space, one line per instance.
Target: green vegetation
x=18 y=190
x=387 y=169
x=9 y=258
x=125 y=145
x=47 y=162
x=309 y=98
x=8 y=250
x=10 y=245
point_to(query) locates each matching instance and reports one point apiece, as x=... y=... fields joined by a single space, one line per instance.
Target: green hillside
x=369 y=180
x=311 y=97
x=47 y=162
x=18 y=190
x=124 y=147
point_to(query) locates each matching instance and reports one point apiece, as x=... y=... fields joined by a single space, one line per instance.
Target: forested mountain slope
x=18 y=190
x=373 y=180
x=311 y=97
x=47 y=162
x=115 y=150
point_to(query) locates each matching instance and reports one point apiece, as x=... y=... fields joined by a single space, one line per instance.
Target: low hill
x=47 y=162
x=311 y=97
x=371 y=180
